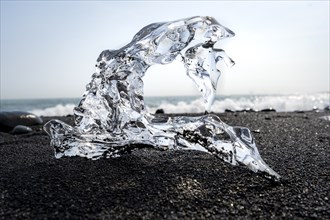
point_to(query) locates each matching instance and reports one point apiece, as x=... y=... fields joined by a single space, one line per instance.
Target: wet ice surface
x=111 y=119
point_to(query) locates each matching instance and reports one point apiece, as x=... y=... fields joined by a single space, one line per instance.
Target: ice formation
x=112 y=119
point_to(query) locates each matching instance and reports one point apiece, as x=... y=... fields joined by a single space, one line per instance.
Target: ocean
x=182 y=104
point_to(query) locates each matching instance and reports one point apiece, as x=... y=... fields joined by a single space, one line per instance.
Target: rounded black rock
x=9 y=120
x=160 y=111
x=21 y=129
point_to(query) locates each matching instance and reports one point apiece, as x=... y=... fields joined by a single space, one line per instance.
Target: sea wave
x=281 y=103
x=58 y=110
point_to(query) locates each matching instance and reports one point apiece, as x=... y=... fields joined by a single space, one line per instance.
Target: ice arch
x=111 y=119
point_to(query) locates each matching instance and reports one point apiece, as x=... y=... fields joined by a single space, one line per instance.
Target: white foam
x=281 y=103
x=58 y=110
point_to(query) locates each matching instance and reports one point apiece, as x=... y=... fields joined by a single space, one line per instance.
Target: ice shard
x=112 y=119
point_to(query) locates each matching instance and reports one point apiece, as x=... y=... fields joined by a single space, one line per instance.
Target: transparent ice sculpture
x=112 y=119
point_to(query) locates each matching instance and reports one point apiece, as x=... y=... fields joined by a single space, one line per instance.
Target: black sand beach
x=149 y=184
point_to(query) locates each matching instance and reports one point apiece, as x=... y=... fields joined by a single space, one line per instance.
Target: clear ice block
x=112 y=119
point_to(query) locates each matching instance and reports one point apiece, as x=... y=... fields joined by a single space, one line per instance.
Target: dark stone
x=268 y=110
x=21 y=129
x=327 y=108
x=9 y=120
x=228 y=110
x=160 y=111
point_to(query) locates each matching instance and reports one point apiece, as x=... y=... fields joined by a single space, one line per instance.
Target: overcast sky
x=49 y=48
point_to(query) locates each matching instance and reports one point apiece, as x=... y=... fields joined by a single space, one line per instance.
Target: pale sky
x=49 y=48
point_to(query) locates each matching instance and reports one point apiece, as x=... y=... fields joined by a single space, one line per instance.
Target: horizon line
x=160 y=96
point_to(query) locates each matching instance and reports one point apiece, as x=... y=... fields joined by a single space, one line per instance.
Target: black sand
x=192 y=185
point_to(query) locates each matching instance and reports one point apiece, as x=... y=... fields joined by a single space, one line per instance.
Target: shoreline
x=172 y=184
